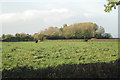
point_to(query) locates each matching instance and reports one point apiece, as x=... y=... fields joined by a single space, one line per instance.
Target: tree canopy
x=111 y=4
x=75 y=31
x=86 y=30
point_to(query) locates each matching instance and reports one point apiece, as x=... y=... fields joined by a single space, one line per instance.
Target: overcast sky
x=31 y=16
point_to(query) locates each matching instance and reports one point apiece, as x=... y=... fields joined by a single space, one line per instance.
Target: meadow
x=59 y=59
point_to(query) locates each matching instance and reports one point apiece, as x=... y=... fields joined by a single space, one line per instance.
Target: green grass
x=53 y=54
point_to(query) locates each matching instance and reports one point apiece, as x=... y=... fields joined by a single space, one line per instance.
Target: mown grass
x=46 y=55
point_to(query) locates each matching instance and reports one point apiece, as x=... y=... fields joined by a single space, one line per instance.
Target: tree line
x=75 y=31
x=17 y=37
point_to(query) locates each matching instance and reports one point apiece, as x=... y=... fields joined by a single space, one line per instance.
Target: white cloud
x=53 y=15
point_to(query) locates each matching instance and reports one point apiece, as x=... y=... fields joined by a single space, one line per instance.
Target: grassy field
x=59 y=59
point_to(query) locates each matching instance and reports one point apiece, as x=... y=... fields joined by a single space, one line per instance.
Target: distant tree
x=100 y=32
x=107 y=35
x=8 y=36
x=40 y=37
x=23 y=35
x=80 y=30
x=3 y=36
x=52 y=33
x=35 y=36
x=17 y=35
x=61 y=29
x=64 y=25
x=93 y=30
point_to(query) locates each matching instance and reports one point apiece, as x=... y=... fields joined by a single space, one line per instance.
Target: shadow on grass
x=90 y=70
